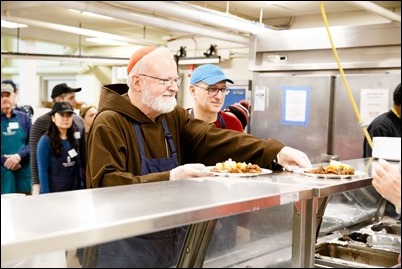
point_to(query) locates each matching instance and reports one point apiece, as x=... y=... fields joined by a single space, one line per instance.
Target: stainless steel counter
x=39 y=224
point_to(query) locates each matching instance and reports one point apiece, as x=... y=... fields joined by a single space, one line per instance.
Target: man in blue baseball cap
x=208 y=89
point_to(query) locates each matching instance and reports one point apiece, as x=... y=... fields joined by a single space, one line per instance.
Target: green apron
x=12 y=141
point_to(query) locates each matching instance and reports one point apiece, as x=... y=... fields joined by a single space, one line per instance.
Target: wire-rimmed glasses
x=165 y=81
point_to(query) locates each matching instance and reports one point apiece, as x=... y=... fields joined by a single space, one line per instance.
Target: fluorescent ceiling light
x=270 y=3
x=68 y=58
x=91 y=14
x=199 y=60
x=9 y=24
x=106 y=41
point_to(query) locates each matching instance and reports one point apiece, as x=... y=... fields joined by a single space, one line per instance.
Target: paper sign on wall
x=373 y=102
x=259 y=98
x=295 y=105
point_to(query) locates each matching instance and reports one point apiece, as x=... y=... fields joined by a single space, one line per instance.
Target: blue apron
x=155 y=250
x=65 y=171
x=12 y=141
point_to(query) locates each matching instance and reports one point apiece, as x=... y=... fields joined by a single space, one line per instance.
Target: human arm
x=43 y=159
x=387 y=181
x=290 y=159
x=14 y=160
x=38 y=129
x=113 y=156
x=190 y=170
x=26 y=124
x=80 y=127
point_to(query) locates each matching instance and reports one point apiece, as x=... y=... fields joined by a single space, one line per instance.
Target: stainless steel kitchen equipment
x=277 y=217
x=298 y=95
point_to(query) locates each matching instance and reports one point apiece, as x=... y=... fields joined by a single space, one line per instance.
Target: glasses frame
x=176 y=81
x=224 y=91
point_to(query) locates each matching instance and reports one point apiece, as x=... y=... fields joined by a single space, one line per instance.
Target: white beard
x=162 y=104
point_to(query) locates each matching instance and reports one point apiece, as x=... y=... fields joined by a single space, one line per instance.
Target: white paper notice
x=259 y=98
x=373 y=102
x=295 y=105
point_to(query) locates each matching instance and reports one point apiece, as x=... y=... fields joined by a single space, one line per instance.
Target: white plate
x=301 y=171
x=221 y=174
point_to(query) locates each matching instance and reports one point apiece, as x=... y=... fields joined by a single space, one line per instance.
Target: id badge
x=72 y=153
x=77 y=135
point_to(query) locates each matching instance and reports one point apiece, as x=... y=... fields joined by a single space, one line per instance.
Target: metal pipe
x=376 y=9
x=80 y=31
x=198 y=15
x=126 y=15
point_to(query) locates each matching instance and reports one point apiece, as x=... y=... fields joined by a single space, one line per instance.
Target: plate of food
x=231 y=168
x=335 y=170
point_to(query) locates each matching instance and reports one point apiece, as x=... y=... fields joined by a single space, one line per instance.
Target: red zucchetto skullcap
x=137 y=55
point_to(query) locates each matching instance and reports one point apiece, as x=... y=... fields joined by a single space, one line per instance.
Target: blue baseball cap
x=209 y=74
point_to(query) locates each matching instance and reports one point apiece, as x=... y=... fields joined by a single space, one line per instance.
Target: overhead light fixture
x=69 y=58
x=211 y=57
x=91 y=14
x=106 y=41
x=199 y=60
x=12 y=25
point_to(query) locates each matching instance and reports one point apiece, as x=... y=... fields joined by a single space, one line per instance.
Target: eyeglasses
x=165 y=81
x=214 y=91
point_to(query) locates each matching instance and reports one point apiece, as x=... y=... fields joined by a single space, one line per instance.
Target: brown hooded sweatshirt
x=113 y=153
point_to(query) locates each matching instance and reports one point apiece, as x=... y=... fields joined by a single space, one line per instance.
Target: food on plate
x=334 y=168
x=231 y=166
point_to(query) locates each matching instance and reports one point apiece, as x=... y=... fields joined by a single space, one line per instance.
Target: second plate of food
x=332 y=176
x=226 y=174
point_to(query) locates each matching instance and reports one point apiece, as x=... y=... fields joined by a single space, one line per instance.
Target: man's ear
x=135 y=82
x=192 y=90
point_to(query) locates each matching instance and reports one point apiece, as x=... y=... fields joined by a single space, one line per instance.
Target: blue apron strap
x=169 y=138
x=221 y=121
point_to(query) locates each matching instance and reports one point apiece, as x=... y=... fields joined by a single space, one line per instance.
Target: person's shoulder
x=229 y=116
x=231 y=121
x=107 y=114
x=380 y=119
x=44 y=119
x=44 y=139
x=78 y=118
x=21 y=114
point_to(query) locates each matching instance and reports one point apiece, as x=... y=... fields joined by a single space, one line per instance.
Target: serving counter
x=34 y=225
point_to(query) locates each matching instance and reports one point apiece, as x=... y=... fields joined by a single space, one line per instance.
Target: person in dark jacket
x=59 y=166
x=140 y=135
x=61 y=92
x=387 y=124
x=15 y=128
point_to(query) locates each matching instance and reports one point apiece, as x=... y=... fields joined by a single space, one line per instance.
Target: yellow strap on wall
x=345 y=82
